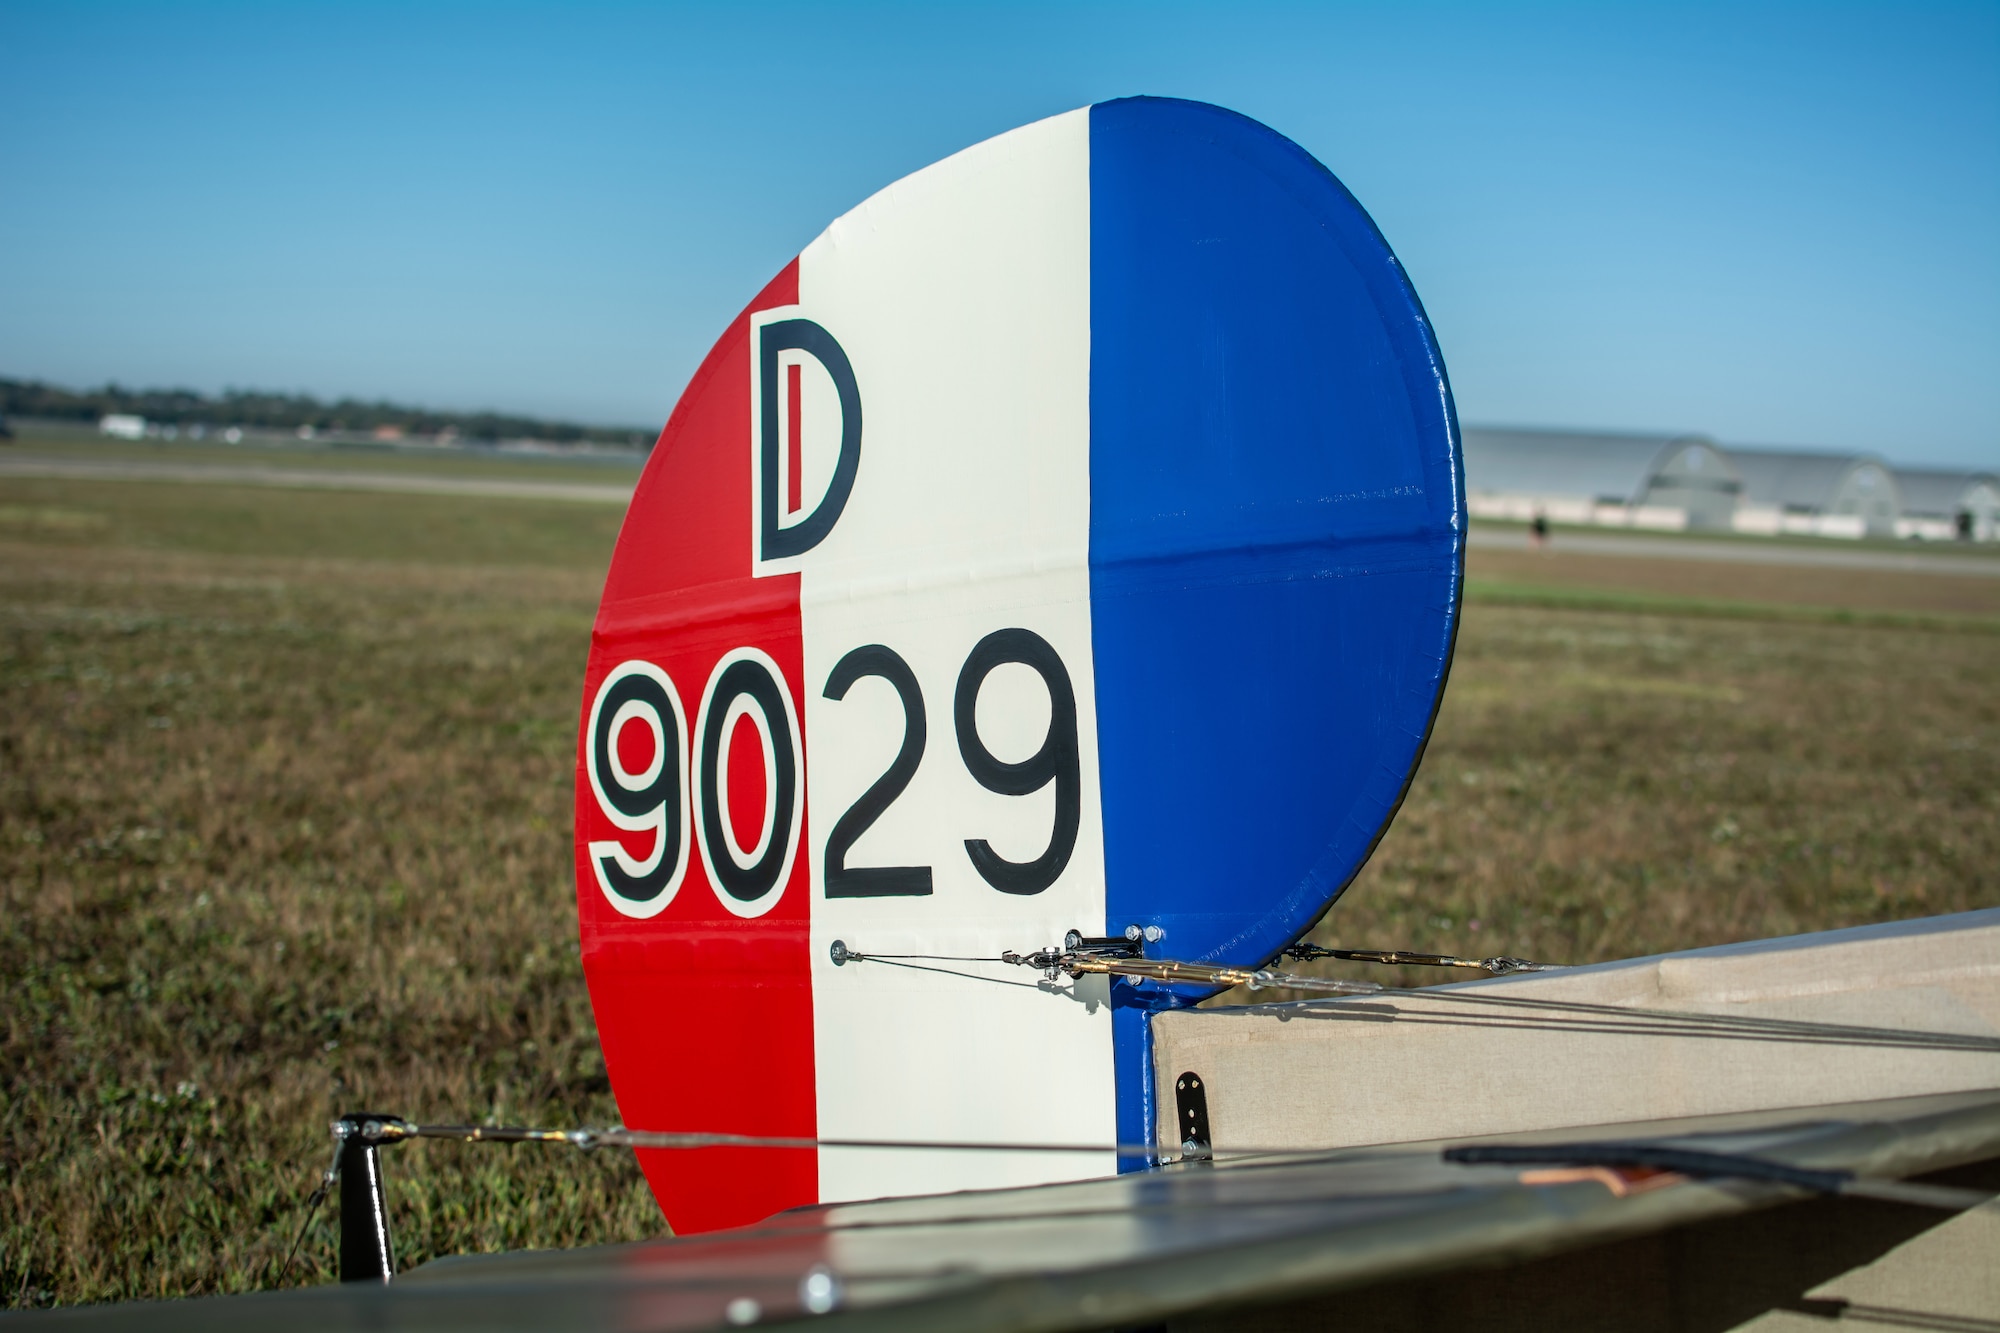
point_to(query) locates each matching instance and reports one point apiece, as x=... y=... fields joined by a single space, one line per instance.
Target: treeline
x=251 y=410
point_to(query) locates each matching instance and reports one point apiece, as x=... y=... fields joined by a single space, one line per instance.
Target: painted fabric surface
x=1069 y=538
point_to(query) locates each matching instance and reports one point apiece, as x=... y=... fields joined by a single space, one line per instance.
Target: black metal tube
x=366 y=1251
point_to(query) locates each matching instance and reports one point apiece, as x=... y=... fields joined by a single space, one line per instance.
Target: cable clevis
x=1125 y=955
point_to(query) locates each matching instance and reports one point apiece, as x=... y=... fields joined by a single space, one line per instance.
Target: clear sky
x=1773 y=224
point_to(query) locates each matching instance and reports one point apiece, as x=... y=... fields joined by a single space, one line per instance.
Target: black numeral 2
x=843 y=880
x=1056 y=761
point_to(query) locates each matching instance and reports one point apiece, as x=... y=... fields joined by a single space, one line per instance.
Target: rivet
x=819 y=1291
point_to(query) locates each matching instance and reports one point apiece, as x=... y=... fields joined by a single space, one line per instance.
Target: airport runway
x=1742 y=551
x=230 y=474
x=1751 y=551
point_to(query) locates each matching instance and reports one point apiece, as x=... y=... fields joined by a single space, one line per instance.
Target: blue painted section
x=1132 y=1069
x=1276 y=539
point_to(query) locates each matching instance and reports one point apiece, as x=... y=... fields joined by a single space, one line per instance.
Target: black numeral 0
x=747 y=890
x=639 y=693
x=1055 y=762
x=842 y=880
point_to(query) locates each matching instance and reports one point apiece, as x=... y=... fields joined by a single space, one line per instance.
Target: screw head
x=819 y=1291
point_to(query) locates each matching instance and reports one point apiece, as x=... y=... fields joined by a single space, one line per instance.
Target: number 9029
x=648 y=782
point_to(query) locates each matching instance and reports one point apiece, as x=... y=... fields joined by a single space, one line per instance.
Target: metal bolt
x=837 y=951
x=819 y=1291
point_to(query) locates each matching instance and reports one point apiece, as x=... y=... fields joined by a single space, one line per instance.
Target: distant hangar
x=1690 y=482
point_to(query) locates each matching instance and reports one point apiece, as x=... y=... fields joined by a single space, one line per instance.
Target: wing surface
x=1117 y=1251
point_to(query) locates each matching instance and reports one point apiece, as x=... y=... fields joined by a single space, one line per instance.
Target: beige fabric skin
x=1946 y=1278
x=1421 y=1064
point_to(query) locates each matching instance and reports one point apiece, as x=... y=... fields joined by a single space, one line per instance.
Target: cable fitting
x=1499 y=966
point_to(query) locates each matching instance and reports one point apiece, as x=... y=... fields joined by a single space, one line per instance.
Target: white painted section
x=1758 y=520
x=961 y=296
x=1925 y=529
x=1576 y=510
x=1771 y=521
x=1655 y=518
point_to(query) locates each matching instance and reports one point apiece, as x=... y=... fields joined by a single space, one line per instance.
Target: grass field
x=284 y=802
x=84 y=444
x=1880 y=596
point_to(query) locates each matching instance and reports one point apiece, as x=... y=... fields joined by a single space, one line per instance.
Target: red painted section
x=636 y=743
x=795 y=439
x=705 y=1017
x=746 y=793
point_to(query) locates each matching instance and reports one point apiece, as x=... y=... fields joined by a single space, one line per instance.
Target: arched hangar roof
x=1941 y=492
x=1596 y=465
x=1800 y=480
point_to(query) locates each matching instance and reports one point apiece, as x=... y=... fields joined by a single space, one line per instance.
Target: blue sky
x=1775 y=224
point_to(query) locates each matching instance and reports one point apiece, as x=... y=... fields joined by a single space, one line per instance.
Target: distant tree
x=256 y=410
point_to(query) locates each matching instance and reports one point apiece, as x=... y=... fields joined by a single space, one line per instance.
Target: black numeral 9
x=1056 y=761
x=639 y=694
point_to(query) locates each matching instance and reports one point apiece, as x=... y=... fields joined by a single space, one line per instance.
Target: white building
x=1675 y=482
x=1816 y=494
x=1666 y=482
x=1942 y=504
x=123 y=425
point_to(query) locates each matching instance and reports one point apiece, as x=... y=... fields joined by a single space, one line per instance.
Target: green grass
x=284 y=831
x=1505 y=592
x=1610 y=781
x=282 y=835
x=265 y=521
